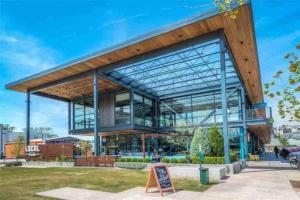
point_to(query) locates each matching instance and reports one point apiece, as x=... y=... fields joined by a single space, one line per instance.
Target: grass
x=23 y=183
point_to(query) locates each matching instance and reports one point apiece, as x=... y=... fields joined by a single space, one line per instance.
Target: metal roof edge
x=210 y=13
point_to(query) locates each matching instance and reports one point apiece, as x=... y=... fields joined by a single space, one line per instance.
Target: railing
x=259 y=113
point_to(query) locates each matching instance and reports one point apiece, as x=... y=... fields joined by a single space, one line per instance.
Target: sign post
x=159 y=177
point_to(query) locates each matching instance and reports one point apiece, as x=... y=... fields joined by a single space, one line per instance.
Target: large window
x=143 y=111
x=198 y=109
x=122 y=109
x=83 y=113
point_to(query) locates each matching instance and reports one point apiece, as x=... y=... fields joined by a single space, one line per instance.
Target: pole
x=1 y=141
x=96 y=113
x=27 y=134
x=245 y=140
x=224 y=98
x=69 y=117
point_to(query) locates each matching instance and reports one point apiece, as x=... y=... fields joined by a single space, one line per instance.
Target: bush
x=127 y=159
x=183 y=160
x=215 y=142
x=131 y=165
x=214 y=160
x=173 y=160
x=120 y=159
x=165 y=160
x=195 y=160
x=233 y=157
x=134 y=159
x=146 y=160
x=140 y=160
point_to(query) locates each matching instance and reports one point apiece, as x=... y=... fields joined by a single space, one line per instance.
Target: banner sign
x=160 y=178
x=32 y=150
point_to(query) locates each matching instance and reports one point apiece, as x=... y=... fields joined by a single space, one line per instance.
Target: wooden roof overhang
x=239 y=34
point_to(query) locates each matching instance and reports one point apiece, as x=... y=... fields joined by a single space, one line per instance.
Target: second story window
x=122 y=109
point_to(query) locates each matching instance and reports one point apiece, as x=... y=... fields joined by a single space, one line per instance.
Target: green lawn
x=23 y=183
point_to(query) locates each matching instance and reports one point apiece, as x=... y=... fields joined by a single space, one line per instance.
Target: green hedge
x=131 y=165
x=127 y=159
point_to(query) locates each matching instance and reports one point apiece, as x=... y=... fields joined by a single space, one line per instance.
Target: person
x=276 y=151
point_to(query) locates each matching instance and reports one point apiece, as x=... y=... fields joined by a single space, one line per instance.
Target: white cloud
x=25 y=54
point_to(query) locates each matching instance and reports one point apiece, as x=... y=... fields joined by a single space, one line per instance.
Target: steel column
x=224 y=98
x=243 y=98
x=27 y=134
x=69 y=116
x=96 y=113
x=1 y=141
x=242 y=143
x=132 y=107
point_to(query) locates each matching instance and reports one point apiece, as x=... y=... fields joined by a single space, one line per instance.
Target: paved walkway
x=251 y=183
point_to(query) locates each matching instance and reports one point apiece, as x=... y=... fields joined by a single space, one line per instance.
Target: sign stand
x=159 y=177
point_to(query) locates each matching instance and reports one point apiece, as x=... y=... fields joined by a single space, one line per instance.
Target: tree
x=215 y=142
x=288 y=94
x=283 y=141
x=199 y=142
x=229 y=7
x=42 y=132
x=85 y=146
x=18 y=146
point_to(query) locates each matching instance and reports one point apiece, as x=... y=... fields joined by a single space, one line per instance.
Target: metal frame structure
x=196 y=66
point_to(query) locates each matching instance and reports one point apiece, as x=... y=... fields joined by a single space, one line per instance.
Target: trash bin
x=203 y=175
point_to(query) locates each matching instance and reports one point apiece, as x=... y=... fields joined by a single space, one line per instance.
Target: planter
x=131 y=165
x=47 y=164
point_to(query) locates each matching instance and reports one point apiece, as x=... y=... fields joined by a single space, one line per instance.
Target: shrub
x=146 y=160
x=134 y=159
x=215 y=142
x=120 y=159
x=173 y=160
x=165 y=160
x=183 y=160
x=140 y=160
x=195 y=160
x=233 y=157
x=127 y=159
x=214 y=160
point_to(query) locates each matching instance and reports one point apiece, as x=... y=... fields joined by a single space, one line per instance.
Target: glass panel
x=84 y=113
x=143 y=111
x=122 y=109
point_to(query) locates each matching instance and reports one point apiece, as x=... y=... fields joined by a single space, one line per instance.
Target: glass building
x=153 y=91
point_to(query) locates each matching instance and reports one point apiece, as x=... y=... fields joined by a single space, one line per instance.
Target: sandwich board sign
x=159 y=177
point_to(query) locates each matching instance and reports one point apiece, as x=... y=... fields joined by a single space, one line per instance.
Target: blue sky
x=37 y=35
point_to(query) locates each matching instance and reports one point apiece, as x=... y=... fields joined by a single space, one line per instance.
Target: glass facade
x=198 y=110
x=83 y=113
x=122 y=109
x=143 y=110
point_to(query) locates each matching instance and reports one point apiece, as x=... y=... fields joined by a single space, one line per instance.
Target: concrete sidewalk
x=251 y=183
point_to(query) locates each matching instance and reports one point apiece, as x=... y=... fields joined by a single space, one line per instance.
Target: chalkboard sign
x=159 y=177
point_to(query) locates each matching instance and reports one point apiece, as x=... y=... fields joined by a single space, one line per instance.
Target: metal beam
x=42 y=94
x=96 y=114
x=128 y=86
x=199 y=91
x=61 y=81
x=224 y=98
x=27 y=134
